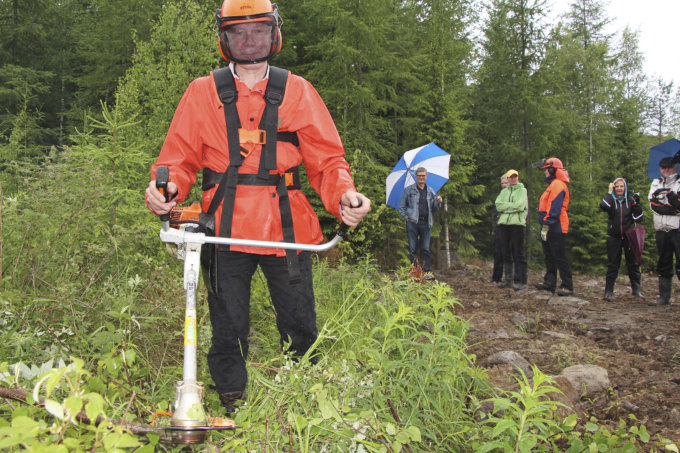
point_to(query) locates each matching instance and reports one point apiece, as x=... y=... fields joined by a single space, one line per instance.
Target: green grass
x=394 y=374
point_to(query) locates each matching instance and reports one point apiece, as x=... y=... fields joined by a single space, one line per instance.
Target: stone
x=588 y=380
x=511 y=358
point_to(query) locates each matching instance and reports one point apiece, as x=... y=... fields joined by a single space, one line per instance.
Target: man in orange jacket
x=552 y=216
x=249 y=127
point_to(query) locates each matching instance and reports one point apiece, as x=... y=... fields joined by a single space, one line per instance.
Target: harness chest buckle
x=255 y=136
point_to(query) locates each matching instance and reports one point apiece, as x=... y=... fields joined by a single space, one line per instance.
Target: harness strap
x=270 y=118
x=226 y=88
x=211 y=178
x=288 y=232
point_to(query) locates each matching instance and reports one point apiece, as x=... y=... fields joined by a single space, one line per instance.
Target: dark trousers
x=668 y=244
x=512 y=241
x=230 y=312
x=614 y=247
x=497 y=274
x=419 y=235
x=555 y=254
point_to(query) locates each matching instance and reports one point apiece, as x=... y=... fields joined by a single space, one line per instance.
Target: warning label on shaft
x=190 y=327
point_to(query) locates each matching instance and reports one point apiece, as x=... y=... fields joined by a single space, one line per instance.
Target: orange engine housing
x=183 y=214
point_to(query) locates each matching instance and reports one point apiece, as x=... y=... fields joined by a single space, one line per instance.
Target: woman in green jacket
x=513 y=206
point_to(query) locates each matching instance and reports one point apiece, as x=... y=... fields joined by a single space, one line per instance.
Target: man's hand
x=544 y=233
x=660 y=194
x=156 y=200
x=438 y=199
x=673 y=199
x=350 y=211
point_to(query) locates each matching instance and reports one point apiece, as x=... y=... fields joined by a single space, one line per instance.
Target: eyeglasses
x=422 y=175
x=241 y=31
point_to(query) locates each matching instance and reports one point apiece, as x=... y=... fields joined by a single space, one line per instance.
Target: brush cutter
x=189 y=423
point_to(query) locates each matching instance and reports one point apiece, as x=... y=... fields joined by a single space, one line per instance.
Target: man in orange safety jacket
x=249 y=127
x=554 y=221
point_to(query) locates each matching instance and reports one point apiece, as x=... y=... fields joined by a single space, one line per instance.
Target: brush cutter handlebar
x=184 y=236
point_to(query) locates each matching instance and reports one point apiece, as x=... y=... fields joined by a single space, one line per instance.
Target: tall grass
x=393 y=371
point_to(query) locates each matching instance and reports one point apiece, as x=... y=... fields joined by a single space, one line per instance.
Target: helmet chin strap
x=253 y=61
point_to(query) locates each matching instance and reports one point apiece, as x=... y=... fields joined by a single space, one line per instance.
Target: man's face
x=512 y=180
x=669 y=171
x=421 y=177
x=251 y=40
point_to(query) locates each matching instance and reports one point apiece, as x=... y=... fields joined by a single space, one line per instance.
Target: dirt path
x=638 y=345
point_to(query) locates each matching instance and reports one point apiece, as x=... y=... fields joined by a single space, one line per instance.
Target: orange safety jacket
x=552 y=207
x=197 y=138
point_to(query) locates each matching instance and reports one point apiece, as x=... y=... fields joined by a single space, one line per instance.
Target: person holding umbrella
x=513 y=206
x=663 y=199
x=417 y=204
x=554 y=221
x=623 y=211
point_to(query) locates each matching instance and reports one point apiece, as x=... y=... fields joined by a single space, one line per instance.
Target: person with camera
x=663 y=199
x=624 y=212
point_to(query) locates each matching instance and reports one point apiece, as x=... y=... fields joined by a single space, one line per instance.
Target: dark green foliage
x=395 y=75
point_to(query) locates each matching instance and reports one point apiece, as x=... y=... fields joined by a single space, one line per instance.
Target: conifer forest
x=87 y=91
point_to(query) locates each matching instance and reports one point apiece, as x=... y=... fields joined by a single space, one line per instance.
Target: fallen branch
x=81 y=417
x=407 y=447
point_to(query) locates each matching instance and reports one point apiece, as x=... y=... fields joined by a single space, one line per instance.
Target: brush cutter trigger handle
x=162 y=178
x=342 y=229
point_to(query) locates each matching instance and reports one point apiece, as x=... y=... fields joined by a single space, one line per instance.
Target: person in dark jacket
x=417 y=205
x=624 y=212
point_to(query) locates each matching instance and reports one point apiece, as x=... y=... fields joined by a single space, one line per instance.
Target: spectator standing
x=513 y=206
x=663 y=199
x=417 y=204
x=624 y=212
x=554 y=221
x=497 y=274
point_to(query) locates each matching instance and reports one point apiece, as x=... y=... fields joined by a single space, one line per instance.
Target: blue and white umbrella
x=658 y=152
x=434 y=159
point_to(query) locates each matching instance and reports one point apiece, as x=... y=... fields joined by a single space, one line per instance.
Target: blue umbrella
x=658 y=152
x=434 y=159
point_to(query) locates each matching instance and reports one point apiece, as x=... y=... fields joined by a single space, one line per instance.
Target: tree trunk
x=446 y=236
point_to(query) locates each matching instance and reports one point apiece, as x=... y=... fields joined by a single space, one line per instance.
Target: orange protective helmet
x=243 y=11
x=552 y=162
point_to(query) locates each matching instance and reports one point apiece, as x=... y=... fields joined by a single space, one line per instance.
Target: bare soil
x=638 y=345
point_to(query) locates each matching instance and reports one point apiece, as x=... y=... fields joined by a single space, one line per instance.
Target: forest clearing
x=638 y=345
